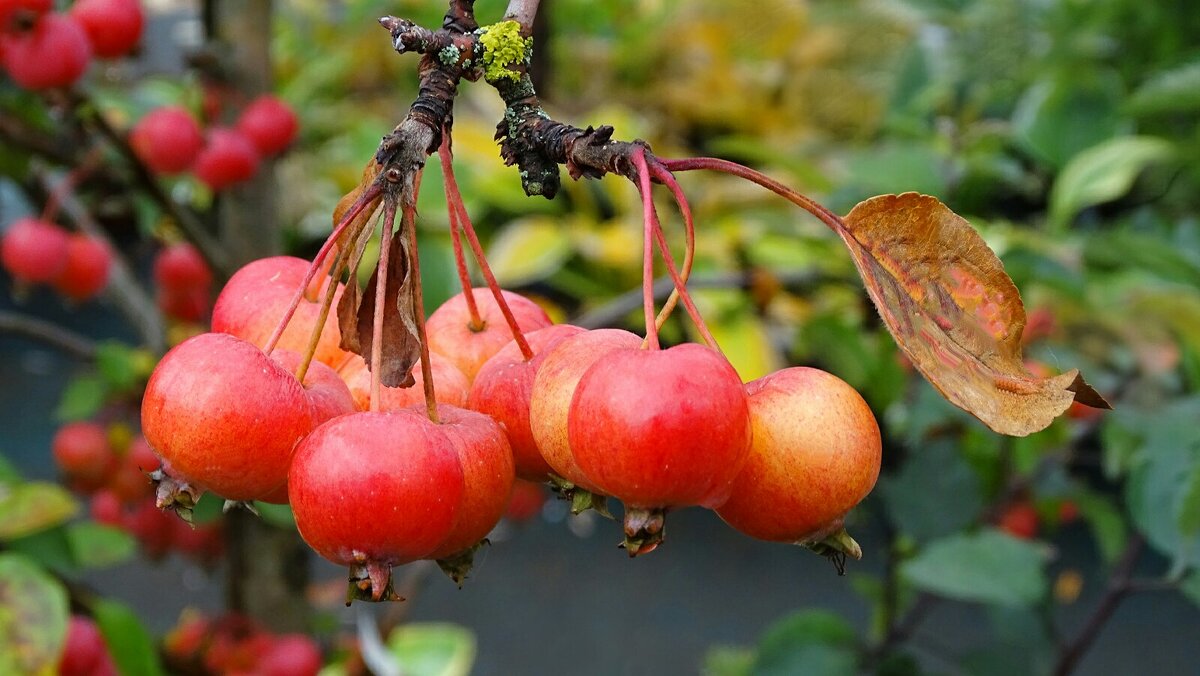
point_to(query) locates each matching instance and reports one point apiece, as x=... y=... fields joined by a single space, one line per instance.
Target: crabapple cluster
x=44 y=49
x=112 y=467
x=233 y=643
x=35 y=251
x=273 y=409
x=170 y=141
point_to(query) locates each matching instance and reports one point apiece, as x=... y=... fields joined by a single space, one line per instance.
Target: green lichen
x=503 y=47
x=449 y=55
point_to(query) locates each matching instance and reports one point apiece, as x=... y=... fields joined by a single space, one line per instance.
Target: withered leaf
x=949 y=304
x=369 y=174
x=401 y=347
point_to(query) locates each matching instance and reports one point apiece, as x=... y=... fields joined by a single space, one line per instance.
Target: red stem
x=648 y=220
x=460 y=259
x=715 y=164
x=67 y=186
x=477 y=249
x=314 y=337
x=681 y=287
x=685 y=209
x=355 y=209
x=385 y=245
x=409 y=223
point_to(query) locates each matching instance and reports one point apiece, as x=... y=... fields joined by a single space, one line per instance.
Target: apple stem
x=649 y=217
x=460 y=259
x=314 y=338
x=725 y=166
x=685 y=209
x=385 y=245
x=409 y=224
x=681 y=287
x=364 y=200
x=477 y=250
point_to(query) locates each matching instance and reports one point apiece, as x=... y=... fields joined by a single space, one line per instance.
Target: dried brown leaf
x=954 y=311
x=401 y=347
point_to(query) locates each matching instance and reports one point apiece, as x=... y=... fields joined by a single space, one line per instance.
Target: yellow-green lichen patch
x=503 y=47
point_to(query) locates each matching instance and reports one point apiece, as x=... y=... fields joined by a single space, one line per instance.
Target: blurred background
x=1064 y=130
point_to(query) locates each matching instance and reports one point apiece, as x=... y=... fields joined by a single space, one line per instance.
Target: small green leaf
x=48 y=548
x=1191 y=587
x=1057 y=120
x=433 y=649
x=31 y=507
x=728 y=661
x=987 y=567
x=937 y=470
x=208 y=509
x=808 y=642
x=131 y=646
x=276 y=515
x=95 y=545
x=1108 y=528
x=1189 y=503
x=33 y=618
x=82 y=399
x=529 y=249
x=117 y=364
x=8 y=472
x=1172 y=91
x=1103 y=173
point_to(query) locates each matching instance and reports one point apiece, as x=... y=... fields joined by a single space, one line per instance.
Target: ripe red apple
x=82 y=452
x=167 y=139
x=553 y=388
x=816 y=455
x=661 y=428
x=527 y=500
x=113 y=27
x=450 y=385
x=451 y=334
x=503 y=389
x=255 y=298
x=53 y=53
x=131 y=481
x=269 y=123
x=227 y=159
x=227 y=417
x=33 y=250
x=487 y=464
x=180 y=266
x=376 y=490
x=85 y=272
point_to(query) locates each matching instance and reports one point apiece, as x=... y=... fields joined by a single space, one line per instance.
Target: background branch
x=49 y=333
x=523 y=12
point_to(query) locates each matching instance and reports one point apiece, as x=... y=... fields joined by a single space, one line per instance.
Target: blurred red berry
x=180 y=267
x=1020 y=520
x=167 y=139
x=82 y=452
x=53 y=53
x=33 y=250
x=269 y=123
x=526 y=501
x=229 y=158
x=105 y=508
x=84 y=652
x=113 y=27
x=86 y=270
x=291 y=655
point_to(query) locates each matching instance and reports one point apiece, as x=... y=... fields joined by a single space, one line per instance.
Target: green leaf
x=117 y=364
x=276 y=515
x=808 y=642
x=1189 y=504
x=987 y=567
x=31 y=507
x=95 y=545
x=1172 y=91
x=208 y=509
x=728 y=661
x=8 y=472
x=131 y=646
x=82 y=399
x=1104 y=519
x=1055 y=120
x=433 y=649
x=1158 y=493
x=1103 y=173
x=33 y=618
x=934 y=494
x=49 y=548
x=529 y=249
x=1190 y=586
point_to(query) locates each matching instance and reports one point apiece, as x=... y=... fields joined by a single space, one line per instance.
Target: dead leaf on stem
x=949 y=304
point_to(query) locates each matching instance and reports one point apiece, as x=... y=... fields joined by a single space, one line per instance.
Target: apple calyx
x=458 y=566
x=580 y=498
x=370 y=581
x=835 y=546
x=645 y=529
x=174 y=494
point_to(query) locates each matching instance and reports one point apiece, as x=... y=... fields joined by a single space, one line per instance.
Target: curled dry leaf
x=949 y=304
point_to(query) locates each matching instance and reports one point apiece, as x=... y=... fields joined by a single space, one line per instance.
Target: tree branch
x=49 y=333
x=523 y=12
x=1119 y=585
x=123 y=286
